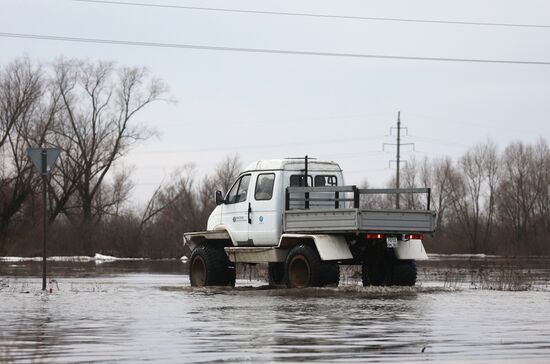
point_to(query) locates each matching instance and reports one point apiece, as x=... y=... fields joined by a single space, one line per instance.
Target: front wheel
x=209 y=266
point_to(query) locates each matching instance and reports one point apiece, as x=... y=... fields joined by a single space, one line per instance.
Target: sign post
x=43 y=160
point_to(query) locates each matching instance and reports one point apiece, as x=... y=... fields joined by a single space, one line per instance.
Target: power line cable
x=261 y=50
x=176 y=163
x=263 y=146
x=313 y=15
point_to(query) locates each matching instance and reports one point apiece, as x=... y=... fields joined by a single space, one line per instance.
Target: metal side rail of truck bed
x=337 y=210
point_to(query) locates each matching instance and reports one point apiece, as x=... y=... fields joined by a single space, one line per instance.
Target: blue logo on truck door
x=261 y=219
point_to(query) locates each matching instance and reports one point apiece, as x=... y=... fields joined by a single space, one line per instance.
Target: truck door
x=266 y=209
x=235 y=214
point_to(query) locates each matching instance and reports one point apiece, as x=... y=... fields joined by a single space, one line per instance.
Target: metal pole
x=398 y=155
x=306 y=195
x=306 y=171
x=45 y=212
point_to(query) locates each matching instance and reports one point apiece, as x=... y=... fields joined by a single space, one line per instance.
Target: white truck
x=299 y=217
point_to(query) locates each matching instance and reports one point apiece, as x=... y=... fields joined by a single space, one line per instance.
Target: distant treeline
x=487 y=202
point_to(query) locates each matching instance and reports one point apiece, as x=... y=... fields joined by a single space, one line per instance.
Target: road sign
x=43 y=160
x=43 y=166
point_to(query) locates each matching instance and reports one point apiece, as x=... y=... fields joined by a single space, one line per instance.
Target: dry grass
x=502 y=278
x=505 y=275
x=452 y=279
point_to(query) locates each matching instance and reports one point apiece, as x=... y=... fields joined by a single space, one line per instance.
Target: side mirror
x=219 y=198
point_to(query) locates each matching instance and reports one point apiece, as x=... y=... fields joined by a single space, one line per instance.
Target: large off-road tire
x=209 y=266
x=276 y=274
x=404 y=273
x=384 y=270
x=374 y=274
x=376 y=271
x=303 y=268
x=330 y=272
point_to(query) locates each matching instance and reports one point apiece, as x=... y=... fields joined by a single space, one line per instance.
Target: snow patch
x=19 y=259
x=481 y=256
x=108 y=258
x=79 y=258
x=104 y=257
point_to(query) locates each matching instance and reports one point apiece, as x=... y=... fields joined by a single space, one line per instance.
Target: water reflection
x=320 y=331
x=279 y=328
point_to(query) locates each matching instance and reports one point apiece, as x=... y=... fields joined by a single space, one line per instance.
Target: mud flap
x=329 y=247
x=410 y=250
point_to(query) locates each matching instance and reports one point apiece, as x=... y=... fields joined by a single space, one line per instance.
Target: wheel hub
x=299 y=272
x=198 y=272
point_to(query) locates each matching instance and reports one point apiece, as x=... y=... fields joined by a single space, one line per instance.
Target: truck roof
x=291 y=164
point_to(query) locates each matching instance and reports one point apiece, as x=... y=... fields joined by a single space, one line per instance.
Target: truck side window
x=238 y=191
x=264 y=186
x=324 y=180
x=297 y=180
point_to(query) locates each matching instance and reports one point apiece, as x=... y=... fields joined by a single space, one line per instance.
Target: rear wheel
x=209 y=266
x=303 y=268
x=386 y=270
x=376 y=270
x=404 y=273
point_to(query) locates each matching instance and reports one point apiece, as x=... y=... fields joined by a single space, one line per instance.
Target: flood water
x=146 y=311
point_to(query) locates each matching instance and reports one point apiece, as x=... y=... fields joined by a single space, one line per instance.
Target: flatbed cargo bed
x=327 y=210
x=359 y=220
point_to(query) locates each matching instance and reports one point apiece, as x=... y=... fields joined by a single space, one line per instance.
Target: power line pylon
x=398 y=154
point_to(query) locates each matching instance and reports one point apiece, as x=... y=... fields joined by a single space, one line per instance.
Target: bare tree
x=183 y=205
x=441 y=176
x=20 y=92
x=227 y=171
x=24 y=122
x=492 y=178
x=173 y=212
x=474 y=201
x=411 y=178
x=96 y=129
x=369 y=201
x=524 y=193
x=519 y=191
x=542 y=152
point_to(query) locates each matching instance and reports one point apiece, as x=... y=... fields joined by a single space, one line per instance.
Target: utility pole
x=398 y=154
x=398 y=158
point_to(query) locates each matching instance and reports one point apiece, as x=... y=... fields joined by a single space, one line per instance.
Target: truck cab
x=252 y=210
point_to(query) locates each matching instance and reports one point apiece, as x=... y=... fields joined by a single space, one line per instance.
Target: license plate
x=391 y=242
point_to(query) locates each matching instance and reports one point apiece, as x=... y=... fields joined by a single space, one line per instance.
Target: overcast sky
x=340 y=108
